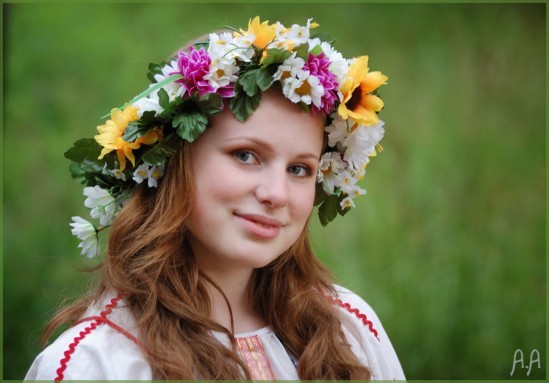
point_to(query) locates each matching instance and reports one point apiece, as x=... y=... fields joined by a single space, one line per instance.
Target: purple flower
x=318 y=66
x=194 y=66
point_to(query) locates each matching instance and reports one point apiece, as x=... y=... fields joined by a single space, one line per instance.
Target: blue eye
x=245 y=157
x=299 y=170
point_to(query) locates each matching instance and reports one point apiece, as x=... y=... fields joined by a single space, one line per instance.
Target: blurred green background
x=448 y=246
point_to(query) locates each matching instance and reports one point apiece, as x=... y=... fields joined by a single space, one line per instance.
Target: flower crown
x=233 y=68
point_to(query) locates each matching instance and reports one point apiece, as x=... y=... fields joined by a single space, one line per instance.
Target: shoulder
x=366 y=335
x=102 y=346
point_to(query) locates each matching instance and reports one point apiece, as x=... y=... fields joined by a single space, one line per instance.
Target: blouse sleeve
x=88 y=352
x=101 y=347
x=367 y=337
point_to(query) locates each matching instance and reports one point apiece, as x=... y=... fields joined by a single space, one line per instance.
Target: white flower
x=291 y=67
x=101 y=203
x=347 y=181
x=149 y=103
x=308 y=90
x=337 y=131
x=155 y=172
x=118 y=174
x=357 y=191
x=347 y=203
x=222 y=73
x=225 y=51
x=230 y=48
x=173 y=89
x=294 y=36
x=87 y=233
x=331 y=171
x=361 y=143
x=152 y=174
x=141 y=173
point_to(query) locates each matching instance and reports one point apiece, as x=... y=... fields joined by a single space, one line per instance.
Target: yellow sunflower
x=358 y=102
x=110 y=136
x=263 y=32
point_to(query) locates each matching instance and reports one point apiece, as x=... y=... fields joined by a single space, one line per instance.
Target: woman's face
x=255 y=184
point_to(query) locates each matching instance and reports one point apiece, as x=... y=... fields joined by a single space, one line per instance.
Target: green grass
x=448 y=245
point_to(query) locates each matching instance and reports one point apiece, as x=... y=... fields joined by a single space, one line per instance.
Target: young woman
x=209 y=179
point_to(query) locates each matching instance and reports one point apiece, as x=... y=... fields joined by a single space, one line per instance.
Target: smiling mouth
x=260 y=226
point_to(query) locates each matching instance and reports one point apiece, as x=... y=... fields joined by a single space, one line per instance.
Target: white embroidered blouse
x=104 y=346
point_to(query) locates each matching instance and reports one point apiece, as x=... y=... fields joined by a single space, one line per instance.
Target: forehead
x=276 y=120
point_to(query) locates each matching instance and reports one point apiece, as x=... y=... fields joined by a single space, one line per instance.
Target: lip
x=259 y=225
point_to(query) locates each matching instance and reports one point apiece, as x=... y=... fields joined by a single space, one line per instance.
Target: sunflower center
x=354 y=101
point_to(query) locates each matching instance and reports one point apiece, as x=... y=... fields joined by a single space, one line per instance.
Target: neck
x=235 y=286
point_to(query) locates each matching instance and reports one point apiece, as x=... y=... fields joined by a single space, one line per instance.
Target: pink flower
x=318 y=66
x=194 y=66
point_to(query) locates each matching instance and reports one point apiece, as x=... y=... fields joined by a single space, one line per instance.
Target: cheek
x=216 y=184
x=303 y=201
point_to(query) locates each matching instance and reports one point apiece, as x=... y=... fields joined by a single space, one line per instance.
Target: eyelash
x=237 y=155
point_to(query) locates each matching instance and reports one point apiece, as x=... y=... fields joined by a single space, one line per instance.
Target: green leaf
x=154 y=69
x=316 y=50
x=163 y=98
x=248 y=82
x=169 y=109
x=255 y=80
x=328 y=210
x=304 y=107
x=135 y=130
x=209 y=104
x=302 y=51
x=160 y=152
x=84 y=149
x=243 y=105
x=323 y=36
x=77 y=172
x=275 y=56
x=264 y=79
x=340 y=210
x=190 y=124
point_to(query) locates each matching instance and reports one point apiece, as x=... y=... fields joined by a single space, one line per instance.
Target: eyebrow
x=268 y=147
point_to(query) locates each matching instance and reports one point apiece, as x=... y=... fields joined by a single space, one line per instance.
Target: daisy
x=361 y=143
x=102 y=204
x=331 y=168
x=87 y=233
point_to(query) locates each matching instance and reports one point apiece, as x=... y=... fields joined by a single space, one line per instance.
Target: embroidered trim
x=358 y=314
x=251 y=350
x=96 y=321
x=72 y=347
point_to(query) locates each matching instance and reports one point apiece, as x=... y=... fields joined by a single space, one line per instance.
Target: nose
x=272 y=190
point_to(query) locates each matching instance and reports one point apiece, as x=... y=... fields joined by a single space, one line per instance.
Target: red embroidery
x=357 y=313
x=96 y=321
x=72 y=347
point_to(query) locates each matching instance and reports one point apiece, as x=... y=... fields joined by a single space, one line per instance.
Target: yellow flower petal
x=359 y=69
x=263 y=32
x=110 y=135
x=129 y=155
x=372 y=102
x=363 y=116
x=372 y=81
x=121 y=159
